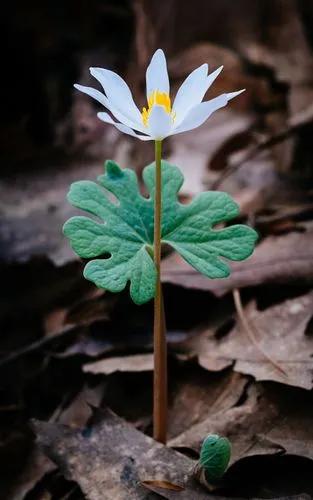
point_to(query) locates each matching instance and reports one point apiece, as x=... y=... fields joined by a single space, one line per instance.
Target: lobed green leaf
x=123 y=240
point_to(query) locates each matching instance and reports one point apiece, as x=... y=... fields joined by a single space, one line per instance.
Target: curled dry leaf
x=273 y=420
x=280 y=332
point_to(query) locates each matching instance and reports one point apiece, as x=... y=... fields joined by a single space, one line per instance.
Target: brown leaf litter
x=280 y=330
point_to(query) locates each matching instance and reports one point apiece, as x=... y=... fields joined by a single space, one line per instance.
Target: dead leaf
x=261 y=424
x=280 y=332
x=94 y=306
x=134 y=363
x=206 y=393
x=77 y=413
x=54 y=321
x=112 y=458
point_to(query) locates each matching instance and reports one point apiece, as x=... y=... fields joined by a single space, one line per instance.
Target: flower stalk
x=159 y=333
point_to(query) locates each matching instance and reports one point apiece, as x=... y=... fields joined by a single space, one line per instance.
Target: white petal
x=231 y=95
x=105 y=117
x=156 y=75
x=211 y=77
x=188 y=94
x=120 y=116
x=160 y=123
x=201 y=112
x=92 y=93
x=193 y=90
x=119 y=96
x=105 y=102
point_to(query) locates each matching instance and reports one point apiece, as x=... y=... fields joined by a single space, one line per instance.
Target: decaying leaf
x=280 y=331
x=206 y=393
x=190 y=386
x=78 y=412
x=273 y=420
x=111 y=459
x=134 y=363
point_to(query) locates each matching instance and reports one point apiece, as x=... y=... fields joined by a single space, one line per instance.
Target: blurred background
x=64 y=344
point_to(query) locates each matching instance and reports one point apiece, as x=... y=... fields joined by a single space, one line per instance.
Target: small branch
x=248 y=330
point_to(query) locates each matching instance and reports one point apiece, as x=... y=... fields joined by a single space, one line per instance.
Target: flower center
x=161 y=99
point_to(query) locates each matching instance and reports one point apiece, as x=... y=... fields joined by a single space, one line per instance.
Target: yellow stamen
x=161 y=99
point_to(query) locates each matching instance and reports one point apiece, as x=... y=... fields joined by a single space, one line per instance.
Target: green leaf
x=127 y=233
x=124 y=235
x=214 y=456
x=188 y=228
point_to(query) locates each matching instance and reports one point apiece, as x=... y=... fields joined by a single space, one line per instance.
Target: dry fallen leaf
x=78 y=412
x=206 y=393
x=280 y=332
x=133 y=363
x=274 y=419
x=110 y=460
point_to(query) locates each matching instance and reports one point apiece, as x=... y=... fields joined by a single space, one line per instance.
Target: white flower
x=160 y=119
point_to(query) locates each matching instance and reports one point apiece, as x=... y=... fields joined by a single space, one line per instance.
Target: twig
x=248 y=330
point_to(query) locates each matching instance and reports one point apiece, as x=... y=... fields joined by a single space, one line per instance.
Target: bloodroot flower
x=160 y=118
